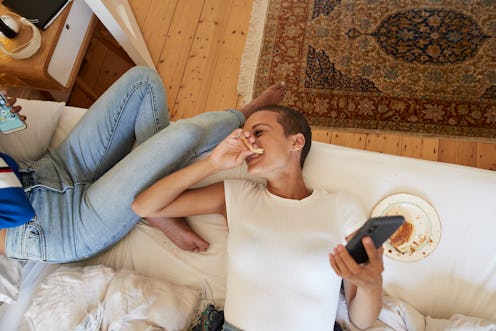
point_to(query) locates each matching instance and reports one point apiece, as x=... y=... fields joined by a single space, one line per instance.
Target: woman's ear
x=298 y=142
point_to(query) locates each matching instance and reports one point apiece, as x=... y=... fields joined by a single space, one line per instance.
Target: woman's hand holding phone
x=379 y=229
x=361 y=259
x=10 y=119
x=362 y=275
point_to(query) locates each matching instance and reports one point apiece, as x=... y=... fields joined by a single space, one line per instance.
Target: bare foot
x=180 y=233
x=273 y=95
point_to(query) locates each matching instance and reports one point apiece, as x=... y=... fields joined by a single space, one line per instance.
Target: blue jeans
x=82 y=191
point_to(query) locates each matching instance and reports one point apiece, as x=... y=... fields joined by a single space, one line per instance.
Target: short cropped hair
x=293 y=122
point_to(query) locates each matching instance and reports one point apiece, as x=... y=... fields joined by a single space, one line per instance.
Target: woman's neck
x=289 y=188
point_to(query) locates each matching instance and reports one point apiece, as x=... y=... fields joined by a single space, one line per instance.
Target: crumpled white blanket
x=10 y=277
x=96 y=298
x=397 y=315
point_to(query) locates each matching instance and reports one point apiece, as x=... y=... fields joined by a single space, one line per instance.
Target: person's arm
x=170 y=196
x=362 y=283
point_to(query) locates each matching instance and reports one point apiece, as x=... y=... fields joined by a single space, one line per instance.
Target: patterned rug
x=424 y=67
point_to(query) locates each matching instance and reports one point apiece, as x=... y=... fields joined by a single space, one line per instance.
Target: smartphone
x=379 y=229
x=9 y=122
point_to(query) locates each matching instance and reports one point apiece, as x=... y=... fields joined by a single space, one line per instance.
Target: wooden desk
x=34 y=72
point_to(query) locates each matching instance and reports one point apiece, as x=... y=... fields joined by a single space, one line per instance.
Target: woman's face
x=269 y=135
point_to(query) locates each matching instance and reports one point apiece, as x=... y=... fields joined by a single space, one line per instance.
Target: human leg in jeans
x=88 y=207
x=131 y=110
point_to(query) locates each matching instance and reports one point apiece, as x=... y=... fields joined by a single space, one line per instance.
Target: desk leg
x=118 y=18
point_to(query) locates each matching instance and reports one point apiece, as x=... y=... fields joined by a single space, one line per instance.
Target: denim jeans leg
x=133 y=108
x=106 y=214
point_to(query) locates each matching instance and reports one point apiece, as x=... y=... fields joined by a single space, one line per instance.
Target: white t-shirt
x=278 y=271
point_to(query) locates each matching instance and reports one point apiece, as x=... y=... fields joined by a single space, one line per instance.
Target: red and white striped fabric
x=15 y=208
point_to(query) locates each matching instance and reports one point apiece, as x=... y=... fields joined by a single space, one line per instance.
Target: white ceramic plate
x=426 y=226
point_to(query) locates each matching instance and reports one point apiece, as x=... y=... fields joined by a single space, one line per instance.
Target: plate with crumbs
x=421 y=232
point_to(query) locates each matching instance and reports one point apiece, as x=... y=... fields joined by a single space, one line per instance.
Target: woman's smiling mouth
x=252 y=157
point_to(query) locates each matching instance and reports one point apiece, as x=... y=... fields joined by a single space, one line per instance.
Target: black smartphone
x=379 y=229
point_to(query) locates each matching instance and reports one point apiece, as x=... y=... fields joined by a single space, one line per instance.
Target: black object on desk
x=40 y=12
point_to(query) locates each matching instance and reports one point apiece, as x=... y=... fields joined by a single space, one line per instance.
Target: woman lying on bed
x=278 y=275
x=76 y=200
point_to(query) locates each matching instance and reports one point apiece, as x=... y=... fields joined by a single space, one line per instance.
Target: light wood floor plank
x=321 y=134
x=203 y=58
x=157 y=24
x=458 y=151
x=392 y=144
x=430 y=149
x=349 y=139
x=223 y=87
x=177 y=49
x=374 y=142
x=141 y=8
x=412 y=147
x=467 y=153
x=92 y=64
x=486 y=155
x=89 y=72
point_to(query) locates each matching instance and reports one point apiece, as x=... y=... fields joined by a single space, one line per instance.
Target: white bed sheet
x=11 y=315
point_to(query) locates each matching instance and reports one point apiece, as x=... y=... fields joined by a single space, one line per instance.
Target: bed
x=145 y=282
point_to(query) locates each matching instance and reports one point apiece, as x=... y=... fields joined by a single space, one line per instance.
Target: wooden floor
x=197 y=45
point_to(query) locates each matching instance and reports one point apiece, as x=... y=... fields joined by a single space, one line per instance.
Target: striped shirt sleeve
x=15 y=208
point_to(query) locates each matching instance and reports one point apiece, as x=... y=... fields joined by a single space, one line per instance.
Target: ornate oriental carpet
x=424 y=67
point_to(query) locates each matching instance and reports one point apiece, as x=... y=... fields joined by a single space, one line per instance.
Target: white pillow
x=10 y=278
x=68 y=120
x=32 y=143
